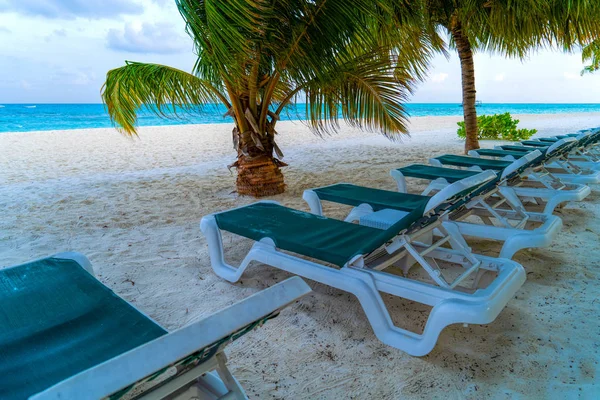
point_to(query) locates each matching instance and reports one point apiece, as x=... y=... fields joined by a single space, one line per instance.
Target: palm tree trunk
x=465 y=53
x=258 y=172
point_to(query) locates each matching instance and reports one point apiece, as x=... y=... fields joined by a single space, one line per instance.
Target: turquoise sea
x=42 y=117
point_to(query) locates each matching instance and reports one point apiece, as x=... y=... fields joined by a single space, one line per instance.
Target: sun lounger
x=580 y=155
x=64 y=335
x=353 y=257
x=537 y=185
x=571 y=160
x=497 y=217
x=546 y=193
x=535 y=143
x=586 y=154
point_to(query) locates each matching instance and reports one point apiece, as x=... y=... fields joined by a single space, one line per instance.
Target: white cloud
x=440 y=77
x=139 y=37
x=499 y=77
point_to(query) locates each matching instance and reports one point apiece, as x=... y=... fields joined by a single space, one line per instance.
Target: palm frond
x=225 y=32
x=366 y=92
x=591 y=53
x=161 y=89
x=514 y=28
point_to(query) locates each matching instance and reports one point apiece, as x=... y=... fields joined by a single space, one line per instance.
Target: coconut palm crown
x=256 y=56
x=507 y=27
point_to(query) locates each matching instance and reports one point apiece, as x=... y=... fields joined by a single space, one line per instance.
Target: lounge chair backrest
x=460 y=189
x=560 y=145
x=520 y=164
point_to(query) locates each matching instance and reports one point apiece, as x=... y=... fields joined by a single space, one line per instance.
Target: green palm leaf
x=163 y=90
x=367 y=92
x=591 y=53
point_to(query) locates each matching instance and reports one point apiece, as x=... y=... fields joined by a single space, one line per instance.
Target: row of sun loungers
x=485 y=198
x=64 y=335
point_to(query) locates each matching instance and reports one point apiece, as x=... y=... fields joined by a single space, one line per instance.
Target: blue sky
x=58 y=51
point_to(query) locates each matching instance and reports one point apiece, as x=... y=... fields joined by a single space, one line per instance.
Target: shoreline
x=460 y=117
x=208 y=147
x=134 y=206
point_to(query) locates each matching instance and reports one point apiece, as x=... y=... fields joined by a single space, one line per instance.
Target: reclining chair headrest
x=561 y=144
x=520 y=163
x=459 y=187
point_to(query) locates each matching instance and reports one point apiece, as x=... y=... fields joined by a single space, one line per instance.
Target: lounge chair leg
x=235 y=390
x=211 y=231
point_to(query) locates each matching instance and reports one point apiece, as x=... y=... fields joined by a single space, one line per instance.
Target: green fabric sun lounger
x=535 y=143
x=430 y=172
x=522 y=149
x=543 y=191
x=568 y=159
x=353 y=257
x=510 y=225
x=64 y=335
x=469 y=162
x=501 y=153
x=584 y=155
x=318 y=237
x=552 y=139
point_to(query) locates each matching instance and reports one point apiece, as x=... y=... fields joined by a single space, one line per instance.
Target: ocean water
x=43 y=117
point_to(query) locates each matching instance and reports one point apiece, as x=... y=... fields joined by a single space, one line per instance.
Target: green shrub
x=497 y=127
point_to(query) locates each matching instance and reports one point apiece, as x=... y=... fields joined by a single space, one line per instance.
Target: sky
x=58 y=51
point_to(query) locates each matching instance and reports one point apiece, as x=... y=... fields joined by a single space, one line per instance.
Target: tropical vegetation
x=356 y=60
x=352 y=59
x=497 y=127
x=508 y=27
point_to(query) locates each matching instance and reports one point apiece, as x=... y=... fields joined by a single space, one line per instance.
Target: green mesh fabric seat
x=500 y=153
x=354 y=195
x=535 y=143
x=430 y=172
x=322 y=238
x=466 y=161
x=57 y=320
x=378 y=199
x=524 y=149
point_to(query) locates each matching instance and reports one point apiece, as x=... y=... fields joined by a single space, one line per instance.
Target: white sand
x=133 y=207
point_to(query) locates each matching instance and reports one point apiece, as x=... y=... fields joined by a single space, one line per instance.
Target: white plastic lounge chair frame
x=501 y=205
x=582 y=157
x=561 y=168
x=199 y=382
x=541 y=187
x=586 y=154
x=364 y=277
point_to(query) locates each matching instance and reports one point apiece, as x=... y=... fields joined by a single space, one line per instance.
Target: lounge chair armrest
x=134 y=365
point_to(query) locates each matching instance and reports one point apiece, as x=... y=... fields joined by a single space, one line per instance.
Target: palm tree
x=256 y=56
x=508 y=27
x=591 y=53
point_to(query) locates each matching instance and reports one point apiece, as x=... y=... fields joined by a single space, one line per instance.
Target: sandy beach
x=133 y=206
